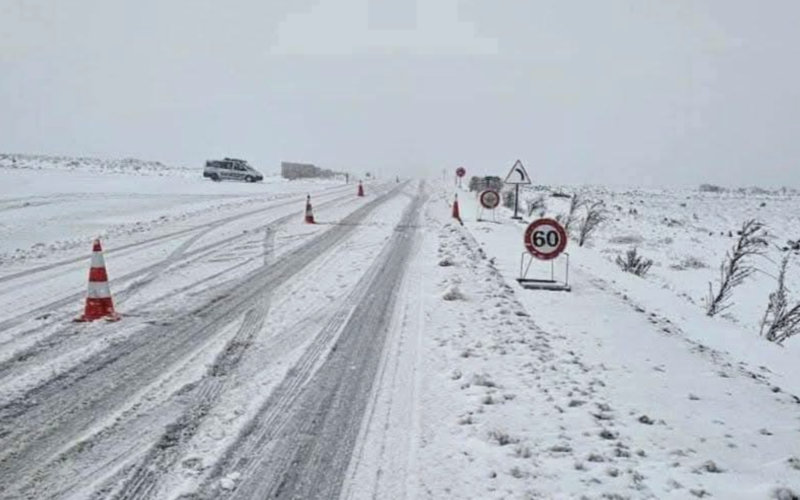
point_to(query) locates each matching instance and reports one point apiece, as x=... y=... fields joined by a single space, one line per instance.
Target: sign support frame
x=460 y=173
x=543 y=284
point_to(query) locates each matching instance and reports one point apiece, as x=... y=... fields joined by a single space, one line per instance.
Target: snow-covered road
x=111 y=408
x=301 y=443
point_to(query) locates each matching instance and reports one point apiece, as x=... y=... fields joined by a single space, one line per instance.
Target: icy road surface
x=248 y=295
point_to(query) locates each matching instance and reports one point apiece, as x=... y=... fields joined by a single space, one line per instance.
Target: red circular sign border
x=561 y=233
x=461 y=171
x=480 y=197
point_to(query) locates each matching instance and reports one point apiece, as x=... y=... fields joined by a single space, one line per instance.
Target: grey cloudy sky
x=615 y=91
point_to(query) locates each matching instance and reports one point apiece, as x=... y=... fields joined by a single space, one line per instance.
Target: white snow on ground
x=687 y=234
x=167 y=271
x=47 y=212
x=150 y=296
x=130 y=166
x=622 y=388
x=296 y=311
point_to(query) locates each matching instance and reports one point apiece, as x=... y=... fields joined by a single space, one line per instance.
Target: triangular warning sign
x=518 y=175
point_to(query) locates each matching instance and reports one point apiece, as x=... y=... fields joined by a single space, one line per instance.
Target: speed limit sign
x=490 y=199
x=545 y=239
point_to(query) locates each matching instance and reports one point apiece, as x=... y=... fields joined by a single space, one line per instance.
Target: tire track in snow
x=168 y=450
x=35 y=201
x=69 y=337
x=299 y=444
x=393 y=405
x=157 y=269
x=41 y=422
x=31 y=355
x=115 y=446
x=167 y=262
x=203 y=251
x=164 y=237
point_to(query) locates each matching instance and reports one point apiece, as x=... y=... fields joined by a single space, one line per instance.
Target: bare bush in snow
x=693 y=263
x=689 y=262
x=735 y=269
x=627 y=239
x=502 y=438
x=634 y=263
x=483 y=380
x=517 y=473
x=537 y=204
x=711 y=188
x=575 y=203
x=783 y=493
x=508 y=199
x=709 y=466
x=595 y=215
x=523 y=451
x=453 y=293
x=780 y=321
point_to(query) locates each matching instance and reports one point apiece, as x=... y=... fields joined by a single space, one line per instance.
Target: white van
x=231 y=169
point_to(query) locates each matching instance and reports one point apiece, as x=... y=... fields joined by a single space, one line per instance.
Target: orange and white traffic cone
x=309 y=212
x=456 y=212
x=98 y=299
x=360 y=189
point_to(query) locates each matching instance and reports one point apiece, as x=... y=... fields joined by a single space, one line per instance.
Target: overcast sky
x=616 y=91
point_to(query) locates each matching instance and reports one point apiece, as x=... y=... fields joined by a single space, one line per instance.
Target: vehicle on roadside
x=229 y=169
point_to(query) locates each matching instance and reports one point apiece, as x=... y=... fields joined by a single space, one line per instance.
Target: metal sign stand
x=460 y=173
x=543 y=284
x=488 y=199
x=516 y=204
x=480 y=218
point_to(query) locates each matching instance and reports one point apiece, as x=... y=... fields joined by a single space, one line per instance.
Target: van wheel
x=214 y=177
x=249 y=178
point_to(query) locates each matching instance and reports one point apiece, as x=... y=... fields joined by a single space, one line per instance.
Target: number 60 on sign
x=545 y=239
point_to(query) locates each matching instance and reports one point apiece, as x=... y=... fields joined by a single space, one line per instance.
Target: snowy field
x=647 y=397
x=687 y=234
x=386 y=351
x=129 y=166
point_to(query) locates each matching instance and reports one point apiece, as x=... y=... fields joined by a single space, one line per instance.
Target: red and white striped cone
x=309 y=213
x=98 y=299
x=456 y=212
x=360 y=189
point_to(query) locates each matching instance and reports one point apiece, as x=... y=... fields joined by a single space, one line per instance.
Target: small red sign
x=461 y=171
x=545 y=239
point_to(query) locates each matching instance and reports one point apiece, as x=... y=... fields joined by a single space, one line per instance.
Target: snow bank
x=622 y=388
x=45 y=212
x=130 y=166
